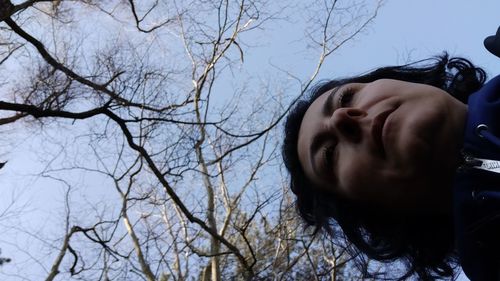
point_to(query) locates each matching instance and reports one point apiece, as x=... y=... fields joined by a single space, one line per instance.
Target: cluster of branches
x=191 y=163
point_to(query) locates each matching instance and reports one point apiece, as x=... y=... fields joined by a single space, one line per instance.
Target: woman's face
x=388 y=142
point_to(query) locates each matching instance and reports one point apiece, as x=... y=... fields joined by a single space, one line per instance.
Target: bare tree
x=166 y=145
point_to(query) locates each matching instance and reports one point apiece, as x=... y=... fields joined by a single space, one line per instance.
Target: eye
x=345 y=98
x=328 y=155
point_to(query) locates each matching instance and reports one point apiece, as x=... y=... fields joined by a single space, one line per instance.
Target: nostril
x=353 y=112
x=346 y=122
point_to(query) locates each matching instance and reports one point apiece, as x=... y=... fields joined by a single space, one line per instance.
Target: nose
x=346 y=122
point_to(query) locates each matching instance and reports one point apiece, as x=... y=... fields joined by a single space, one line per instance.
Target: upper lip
x=377 y=128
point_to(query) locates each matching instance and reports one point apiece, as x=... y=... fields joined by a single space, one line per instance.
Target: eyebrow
x=319 y=139
x=328 y=106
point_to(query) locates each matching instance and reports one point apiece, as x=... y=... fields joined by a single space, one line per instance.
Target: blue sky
x=403 y=31
x=420 y=29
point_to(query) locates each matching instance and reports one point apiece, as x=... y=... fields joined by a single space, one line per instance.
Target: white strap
x=489 y=165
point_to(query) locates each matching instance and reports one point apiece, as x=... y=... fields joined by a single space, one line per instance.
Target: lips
x=378 y=127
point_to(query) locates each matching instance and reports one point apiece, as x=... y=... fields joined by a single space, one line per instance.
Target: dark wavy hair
x=423 y=243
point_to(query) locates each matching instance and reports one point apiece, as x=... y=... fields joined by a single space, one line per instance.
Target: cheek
x=415 y=139
x=358 y=178
x=374 y=186
x=372 y=180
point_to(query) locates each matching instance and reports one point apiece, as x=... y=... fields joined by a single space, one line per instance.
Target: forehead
x=311 y=124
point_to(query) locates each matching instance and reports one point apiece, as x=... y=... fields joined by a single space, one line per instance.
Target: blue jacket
x=477 y=187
